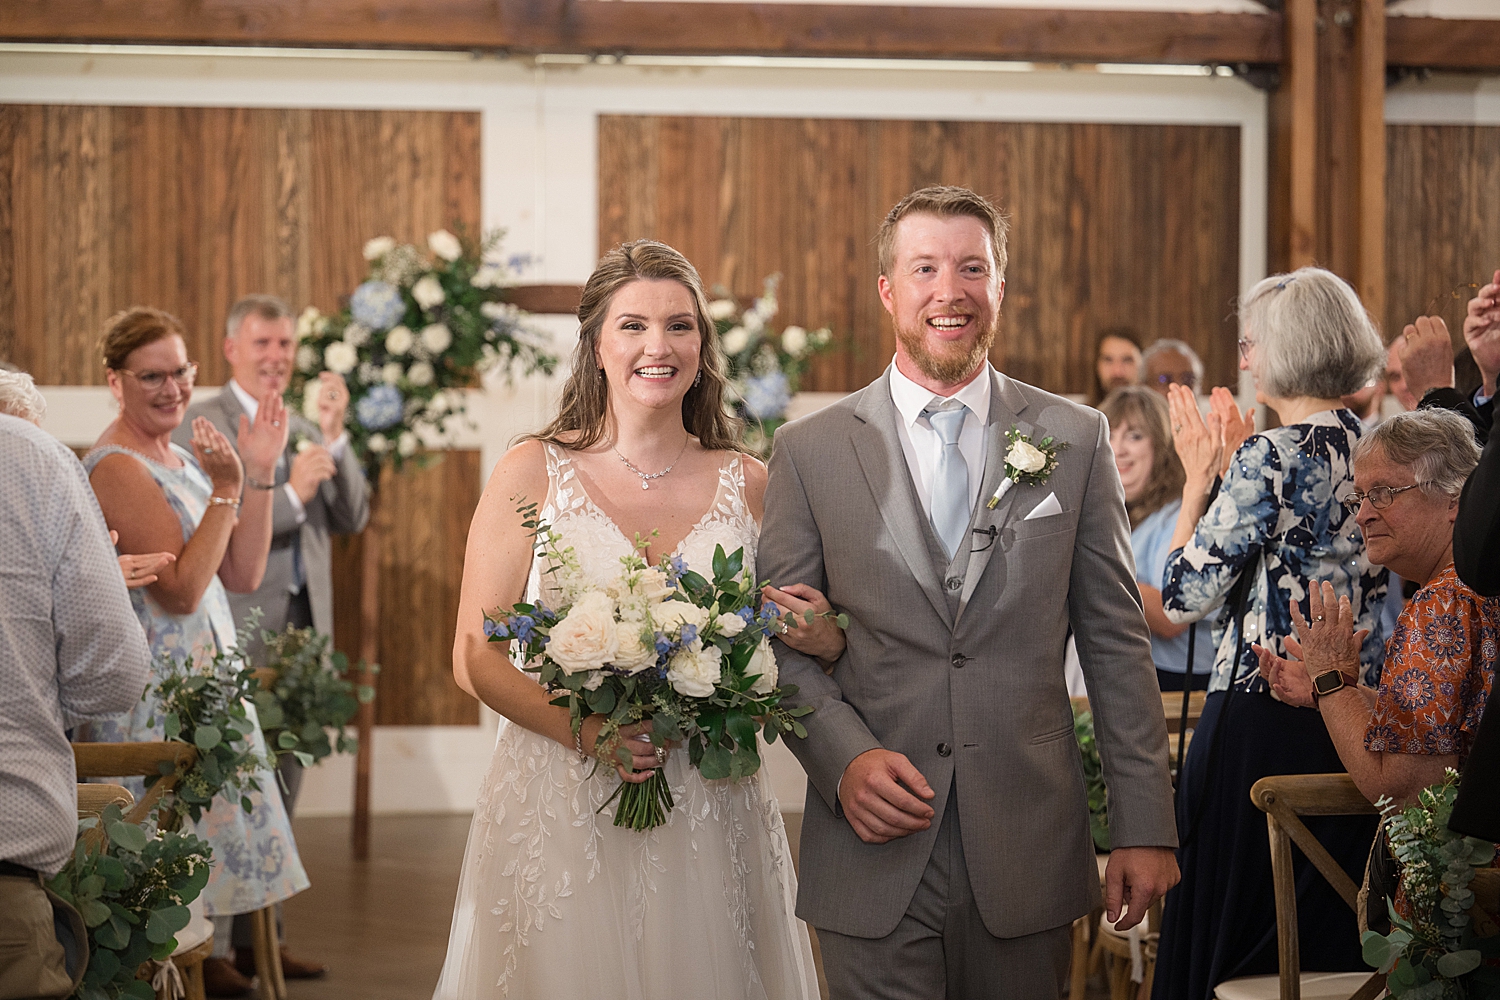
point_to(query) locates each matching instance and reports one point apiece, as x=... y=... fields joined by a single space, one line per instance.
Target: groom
x=945 y=845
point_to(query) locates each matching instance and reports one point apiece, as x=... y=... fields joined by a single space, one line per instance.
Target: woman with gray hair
x=19 y=397
x=1398 y=738
x=1241 y=553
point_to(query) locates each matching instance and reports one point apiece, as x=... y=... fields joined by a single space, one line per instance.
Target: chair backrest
x=1284 y=798
x=1171 y=707
x=116 y=760
x=94 y=798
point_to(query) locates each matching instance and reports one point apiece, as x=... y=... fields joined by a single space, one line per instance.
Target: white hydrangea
x=307 y=358
x=368 y=372
x=356 y=335
x=428 y=291
x=445 y=245
x=420 y=374
x=693 y=671
x=735 y=340
x=378 y=247
x=391 y=372
x=763 y=662
x=794 y=341
x=436 y=338
x=406 y=444
x=377 y=443
x=722 y=309
x=307 y=322
x=340 y=357
x=399 y=340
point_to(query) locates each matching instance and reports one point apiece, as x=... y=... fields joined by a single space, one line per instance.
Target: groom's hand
x=1135 y=878
x=875 y=802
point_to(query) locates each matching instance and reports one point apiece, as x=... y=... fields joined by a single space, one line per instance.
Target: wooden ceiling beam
x=666 y=28
x=1443 y=43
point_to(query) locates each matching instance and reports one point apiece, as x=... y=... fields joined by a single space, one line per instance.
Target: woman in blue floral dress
x=1275 y=522
x=160 y=497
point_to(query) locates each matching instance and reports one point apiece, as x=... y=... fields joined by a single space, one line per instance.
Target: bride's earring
x=601 y=374
x=698 y=379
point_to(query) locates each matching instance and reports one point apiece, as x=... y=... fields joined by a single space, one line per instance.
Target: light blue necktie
x=950 y=481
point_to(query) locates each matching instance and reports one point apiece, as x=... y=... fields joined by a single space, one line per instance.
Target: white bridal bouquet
x=663 y=643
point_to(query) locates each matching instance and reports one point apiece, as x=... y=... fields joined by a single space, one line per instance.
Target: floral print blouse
x=1440 y=665
x=1278 y=512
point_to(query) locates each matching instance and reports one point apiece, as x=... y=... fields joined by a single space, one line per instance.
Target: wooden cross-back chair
x=1285 y=799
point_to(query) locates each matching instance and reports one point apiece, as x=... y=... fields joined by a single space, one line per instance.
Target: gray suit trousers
x=940 y=950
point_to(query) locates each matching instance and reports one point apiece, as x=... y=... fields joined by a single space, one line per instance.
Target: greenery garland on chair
x=309 y=696
x=1435 y=952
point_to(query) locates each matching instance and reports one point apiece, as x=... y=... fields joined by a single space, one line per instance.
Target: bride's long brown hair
x=582 y=414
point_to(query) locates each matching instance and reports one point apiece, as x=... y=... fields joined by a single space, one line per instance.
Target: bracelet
x=583 y=758
x=224 y=502
x=256 y=484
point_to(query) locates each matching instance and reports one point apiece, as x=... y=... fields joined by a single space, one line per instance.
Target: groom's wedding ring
x=208 y=449
x=1317 y=618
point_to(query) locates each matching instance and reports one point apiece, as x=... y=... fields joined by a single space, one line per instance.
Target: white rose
x=445 y=245
x=340 y=357
x=356 y=335
x=428 y=291
x=1025 y=458
x=419 y=374
x=730 y=625
x=377 y=443
x=669 y=615
x=307 y=358
x=763 y=662
x=634 y=654
x=694 y=670
x=587 y=637
x=378 y=247
x=436 y=338
x=794 y=341
x=722 y=309
x=406 y=444
x=399 y=340
x=735 y=340
x=391 y=372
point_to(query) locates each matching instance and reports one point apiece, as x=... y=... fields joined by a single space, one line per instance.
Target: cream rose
x=377 y=443
x=722 y=309
x=635 y=654
x=668 y=615
x=406 y=444
x=391 y=372
x=428 y=291
x=736 y=340
x=763 y=662
x=378 y=247
x=436 y=338
x=399 y=340
x=587 y=637
x=307 y=358
x=340 y=357
x=730 y=625
x=694 y=670
x=794 y=341
x=445 y=245
x=420 y=374
x=1024 y=457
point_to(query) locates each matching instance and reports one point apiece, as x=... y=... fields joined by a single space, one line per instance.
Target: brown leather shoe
x=291 y=968
x=222 y=979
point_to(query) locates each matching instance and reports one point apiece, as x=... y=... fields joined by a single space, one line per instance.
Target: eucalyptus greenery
x=1434 y=953
x=202 y=702
x=1093 y=777
x=310 y=696
x=132 y=889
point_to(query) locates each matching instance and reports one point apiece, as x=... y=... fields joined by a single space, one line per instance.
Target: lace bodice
x=600 y=544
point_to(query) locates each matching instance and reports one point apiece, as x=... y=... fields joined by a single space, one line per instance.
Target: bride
x=554 y=900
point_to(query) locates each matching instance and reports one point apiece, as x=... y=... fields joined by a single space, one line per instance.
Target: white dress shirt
x=921 y=443
x=251 y=406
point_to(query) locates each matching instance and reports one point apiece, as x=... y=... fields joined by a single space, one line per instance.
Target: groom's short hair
x=944 y=202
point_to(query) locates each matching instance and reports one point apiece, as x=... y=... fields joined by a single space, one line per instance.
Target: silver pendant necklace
x=646 y=477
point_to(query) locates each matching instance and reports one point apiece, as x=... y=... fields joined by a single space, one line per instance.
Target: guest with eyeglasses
x=1274 y=521
x=162 y=497
x=1117 y=361
x=1169 y=362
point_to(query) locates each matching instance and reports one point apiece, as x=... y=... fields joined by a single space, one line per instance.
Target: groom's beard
x=955 y=362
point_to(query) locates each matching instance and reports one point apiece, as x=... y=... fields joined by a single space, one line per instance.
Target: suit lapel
x=1006 y=406
x=884 y=464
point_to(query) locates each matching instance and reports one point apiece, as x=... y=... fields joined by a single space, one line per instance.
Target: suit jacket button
x=954 y=582
x=958 y=660
x=944 y=750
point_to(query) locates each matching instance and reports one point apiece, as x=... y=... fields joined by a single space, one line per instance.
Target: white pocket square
x=1046 y=508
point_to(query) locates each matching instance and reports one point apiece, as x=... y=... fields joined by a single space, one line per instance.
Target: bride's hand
x=823 y=638
x=636 y=738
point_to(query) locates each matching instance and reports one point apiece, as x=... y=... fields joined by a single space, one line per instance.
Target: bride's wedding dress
x=555 y=902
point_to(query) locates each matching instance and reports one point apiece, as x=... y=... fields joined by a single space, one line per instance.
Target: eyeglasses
x=152 y=381
x=1461 y=292
x=1171 y=378
x=1380 y=497
x=1246 y=345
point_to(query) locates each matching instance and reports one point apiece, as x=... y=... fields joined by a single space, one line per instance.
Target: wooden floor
x=381 y=927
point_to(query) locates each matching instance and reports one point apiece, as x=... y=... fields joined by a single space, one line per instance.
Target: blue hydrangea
x=767 y=396
x=377 y=305
x=380 y=407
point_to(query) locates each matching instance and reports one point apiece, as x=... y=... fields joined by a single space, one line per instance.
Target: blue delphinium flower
x=689 y=633
x=495 y=629
x=767 y=396
x=379 y=408
x=676 y=566
x=523 y=626
x=377 y=305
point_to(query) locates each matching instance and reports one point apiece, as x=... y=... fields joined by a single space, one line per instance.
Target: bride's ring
x=661 y=755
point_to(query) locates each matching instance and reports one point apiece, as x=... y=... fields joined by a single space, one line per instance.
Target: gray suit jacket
x=341 y=506
x=975 y=669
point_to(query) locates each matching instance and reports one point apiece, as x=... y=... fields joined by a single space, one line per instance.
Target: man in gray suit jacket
x=319 y=489
x=945 y=845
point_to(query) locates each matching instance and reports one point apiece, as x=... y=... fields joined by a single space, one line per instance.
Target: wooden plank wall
x=1442 y=219
x=1111 y=224
x=189 y=208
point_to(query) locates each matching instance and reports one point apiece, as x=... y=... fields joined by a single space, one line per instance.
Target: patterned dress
x=255 y=860
x=556 y=901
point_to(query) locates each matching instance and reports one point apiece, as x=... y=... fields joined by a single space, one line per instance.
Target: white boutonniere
x=1026 y=463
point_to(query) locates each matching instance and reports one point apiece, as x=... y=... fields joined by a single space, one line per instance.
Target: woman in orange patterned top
x=1440 y=660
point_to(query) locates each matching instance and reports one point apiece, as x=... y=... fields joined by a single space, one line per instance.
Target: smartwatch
x=1328 y=682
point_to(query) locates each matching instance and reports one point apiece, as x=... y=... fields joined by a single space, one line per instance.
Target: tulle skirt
x=555 y=901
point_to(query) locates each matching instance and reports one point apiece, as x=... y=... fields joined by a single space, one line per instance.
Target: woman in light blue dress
x=161 y=498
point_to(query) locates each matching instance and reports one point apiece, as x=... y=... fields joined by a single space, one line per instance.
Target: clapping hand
x=217 y=457
x=1426 y=353
x=821 y=638
x=261 y=443
x=1482 y=332
x=311 y=467
x=1199 y=442
x=1237 y=426
x=1328 y=642
x=140 y=570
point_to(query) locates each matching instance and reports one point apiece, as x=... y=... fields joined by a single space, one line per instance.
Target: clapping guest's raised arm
x=1426 y=353
x=1482 y=333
